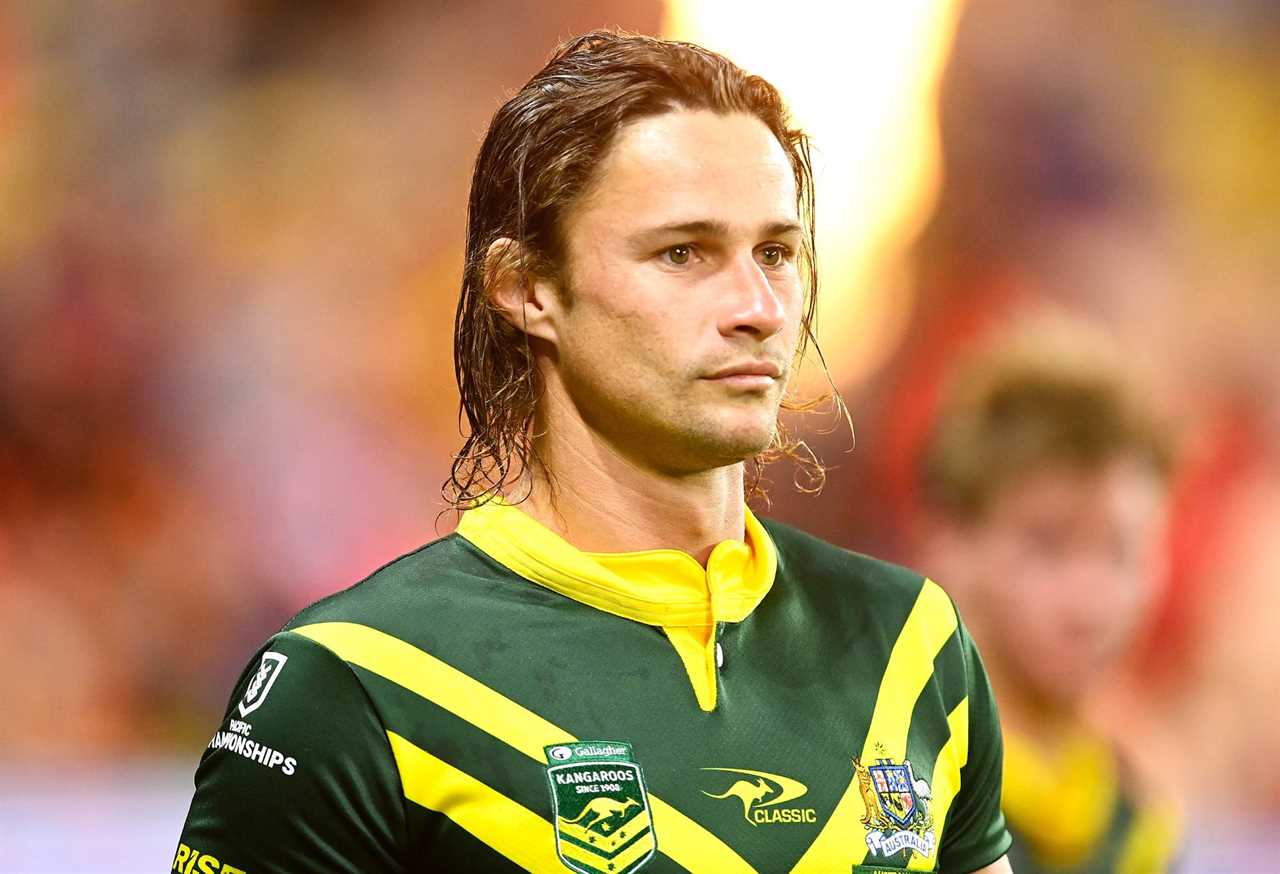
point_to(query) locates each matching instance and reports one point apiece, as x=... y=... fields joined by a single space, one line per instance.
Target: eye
x=774 y=255
x=679 y=255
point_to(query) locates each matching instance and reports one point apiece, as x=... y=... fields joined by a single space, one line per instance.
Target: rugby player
x=1046 y=481
x=612 y=664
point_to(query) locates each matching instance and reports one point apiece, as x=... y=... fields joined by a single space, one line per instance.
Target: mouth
x=748 y=374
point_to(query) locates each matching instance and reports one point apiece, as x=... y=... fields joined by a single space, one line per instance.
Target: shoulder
x=814 y=563
x=855 y=604
x=430 y=576
x=301 y=753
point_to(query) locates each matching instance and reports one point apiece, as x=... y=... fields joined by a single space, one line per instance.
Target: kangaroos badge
x=602 y=810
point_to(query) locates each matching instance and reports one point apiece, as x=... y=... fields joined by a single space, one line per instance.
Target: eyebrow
x=709 y=228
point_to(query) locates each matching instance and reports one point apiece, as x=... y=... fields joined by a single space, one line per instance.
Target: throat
x=633 y=513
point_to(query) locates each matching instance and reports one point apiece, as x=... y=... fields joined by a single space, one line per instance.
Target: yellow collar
x=662 y=587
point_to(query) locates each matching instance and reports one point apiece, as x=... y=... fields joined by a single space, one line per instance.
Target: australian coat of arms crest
x=603 y=823
x=897 y=804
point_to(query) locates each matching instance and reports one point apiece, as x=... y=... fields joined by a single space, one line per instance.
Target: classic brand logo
x=603 y=824
x=270 y=668
x=761 y=793
x=897 y=803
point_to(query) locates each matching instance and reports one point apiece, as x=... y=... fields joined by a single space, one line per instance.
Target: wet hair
x=538 y=158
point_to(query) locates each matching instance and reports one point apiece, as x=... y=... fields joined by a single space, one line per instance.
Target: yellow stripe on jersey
x=690 y=845
x=428 y=677
x=507 y=826
x=953 y=756
x=929 y=626
x=679 y=837
x=593 y=862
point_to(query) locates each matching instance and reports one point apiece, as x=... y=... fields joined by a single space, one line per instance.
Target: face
x=1063 y=567
x=675 y=334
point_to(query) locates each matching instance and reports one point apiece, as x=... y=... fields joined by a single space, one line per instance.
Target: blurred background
x=230 y=242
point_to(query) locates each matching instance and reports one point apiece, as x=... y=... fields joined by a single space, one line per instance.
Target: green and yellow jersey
x=499 y=700
x=1076 y=814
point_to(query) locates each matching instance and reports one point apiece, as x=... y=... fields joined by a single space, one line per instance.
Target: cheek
x=1030 y=602
x=1030 y=612
x=615 y=353
x=793 y=302
x=622 y=301
x=1124 y=603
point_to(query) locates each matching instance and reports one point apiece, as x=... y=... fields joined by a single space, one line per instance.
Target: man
x=1046 y=482
x=612 y=664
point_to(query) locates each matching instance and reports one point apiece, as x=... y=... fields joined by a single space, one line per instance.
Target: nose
x=752 y=305
x=1101 y=593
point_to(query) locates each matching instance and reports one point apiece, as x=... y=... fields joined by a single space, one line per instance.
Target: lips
x=750 y=368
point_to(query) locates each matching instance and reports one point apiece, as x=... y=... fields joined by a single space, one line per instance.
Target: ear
x=529 y=303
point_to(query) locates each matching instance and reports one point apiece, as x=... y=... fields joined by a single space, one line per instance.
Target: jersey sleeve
x=975 y=833
x=300 y=776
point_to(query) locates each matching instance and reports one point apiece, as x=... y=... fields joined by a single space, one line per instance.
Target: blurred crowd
x=230 y=238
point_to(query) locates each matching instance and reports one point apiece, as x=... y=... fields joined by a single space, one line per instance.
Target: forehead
x=1118 y=491
x=689 y=165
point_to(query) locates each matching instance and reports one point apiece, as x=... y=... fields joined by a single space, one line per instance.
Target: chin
x=710 y=441
x=746 y=439
x=705 y=451
x=742 y=450
x=1068 y=689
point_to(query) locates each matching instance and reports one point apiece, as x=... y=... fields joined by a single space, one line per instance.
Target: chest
x=822 y=748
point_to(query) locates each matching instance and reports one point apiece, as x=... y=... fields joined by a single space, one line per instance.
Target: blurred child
x=1046 y=488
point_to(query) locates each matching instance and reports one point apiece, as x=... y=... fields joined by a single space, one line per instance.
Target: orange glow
x=862 y=80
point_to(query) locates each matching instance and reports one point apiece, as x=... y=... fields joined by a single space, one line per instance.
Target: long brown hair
x=537 y=158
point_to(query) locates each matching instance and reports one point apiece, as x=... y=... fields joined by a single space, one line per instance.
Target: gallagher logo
x=761 y=793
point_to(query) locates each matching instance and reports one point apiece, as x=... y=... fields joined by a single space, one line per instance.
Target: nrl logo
x=270 y=668
x=603 y=825
x=897 y=805
x=761 y=794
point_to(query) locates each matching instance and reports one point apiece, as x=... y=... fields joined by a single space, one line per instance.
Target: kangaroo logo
x=749 y=793
x=599 y=811
x=760 y=791
x=602 y=823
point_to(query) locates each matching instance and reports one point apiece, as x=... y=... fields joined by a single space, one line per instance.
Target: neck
x=1044 y=724
x=600 y=500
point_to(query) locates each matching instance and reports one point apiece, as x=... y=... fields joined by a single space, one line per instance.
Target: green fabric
x=977 y=824
x=796 y=694
x=340 y=810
